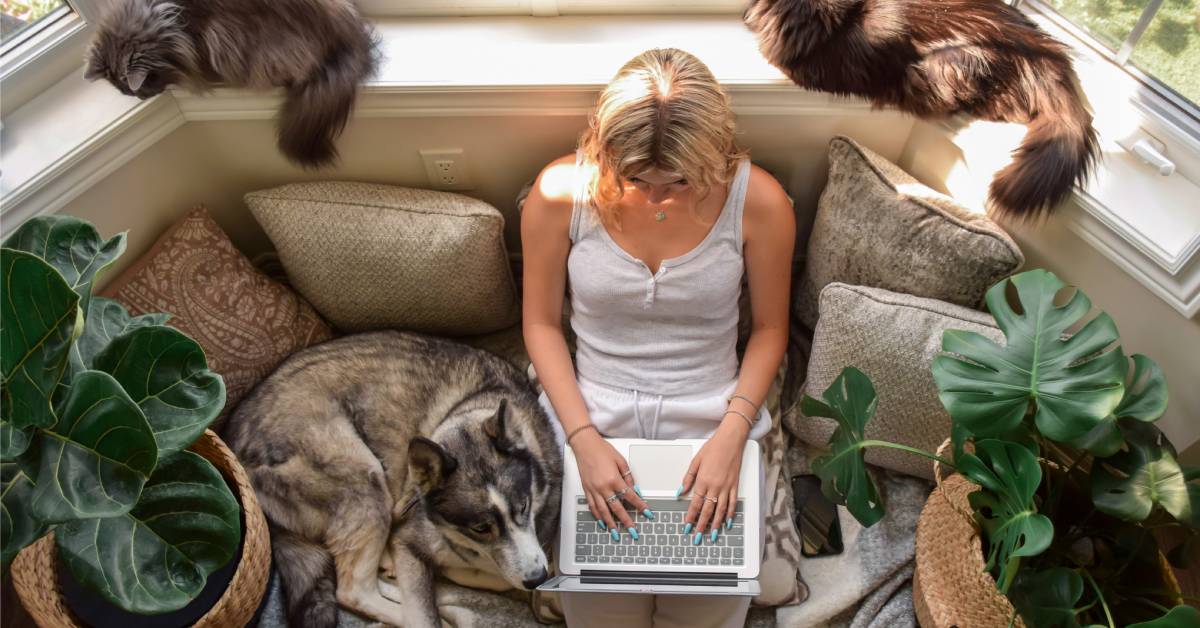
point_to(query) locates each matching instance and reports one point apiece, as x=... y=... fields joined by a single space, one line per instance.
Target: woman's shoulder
x=765 y=197
x=552 y=197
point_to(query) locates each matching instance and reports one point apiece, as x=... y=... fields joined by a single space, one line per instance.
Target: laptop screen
x=659 y=467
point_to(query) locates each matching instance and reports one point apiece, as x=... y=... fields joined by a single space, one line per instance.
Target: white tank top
x=668 y=333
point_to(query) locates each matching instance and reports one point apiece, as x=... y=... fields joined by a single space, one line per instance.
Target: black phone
x=816 y=518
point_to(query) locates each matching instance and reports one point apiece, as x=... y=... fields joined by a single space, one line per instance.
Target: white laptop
x=663 y=559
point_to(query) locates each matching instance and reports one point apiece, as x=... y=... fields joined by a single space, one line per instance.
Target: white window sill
x=76 y=133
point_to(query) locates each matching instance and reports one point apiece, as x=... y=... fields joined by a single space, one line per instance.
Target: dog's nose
x=540 y=577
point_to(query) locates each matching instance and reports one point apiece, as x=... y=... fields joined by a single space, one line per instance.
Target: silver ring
x=712 y=499
x=615 y=496
x=627 y=473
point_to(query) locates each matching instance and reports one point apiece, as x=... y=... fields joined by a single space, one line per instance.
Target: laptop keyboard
x=660 y=542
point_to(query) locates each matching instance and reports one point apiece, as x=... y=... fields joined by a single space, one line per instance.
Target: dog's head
x=483 y=489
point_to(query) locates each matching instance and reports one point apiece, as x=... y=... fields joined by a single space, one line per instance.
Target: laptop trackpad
x=659 y=467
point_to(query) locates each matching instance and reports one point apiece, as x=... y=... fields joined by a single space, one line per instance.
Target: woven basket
x=951 y=588
x=34 y=573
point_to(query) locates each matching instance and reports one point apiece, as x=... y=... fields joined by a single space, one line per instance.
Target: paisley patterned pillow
x=246 y=322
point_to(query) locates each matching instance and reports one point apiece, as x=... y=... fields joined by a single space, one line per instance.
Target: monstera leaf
x=1047 y=599
x=1075 y=383
x=1181 y=616
x=39 y=318
x=71 y=246
x=1145 y=400
x=1009 y=474
x=165 y=373
x=1129 y=484
x=157 y=557
x=17 y=527
x=96 y=458
x=850 y=401
x=107 y=319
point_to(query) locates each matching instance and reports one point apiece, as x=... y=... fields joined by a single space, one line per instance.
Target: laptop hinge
x=715 y=579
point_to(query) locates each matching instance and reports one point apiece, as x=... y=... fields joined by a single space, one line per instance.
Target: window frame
x=37 y=61
x=544 y=8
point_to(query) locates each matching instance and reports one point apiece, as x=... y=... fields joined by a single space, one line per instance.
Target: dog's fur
x=935 y=58
x=318 y=50
x=341 y=438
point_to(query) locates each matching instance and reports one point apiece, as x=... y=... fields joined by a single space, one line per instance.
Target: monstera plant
x=1056 y=427
x=97 y=413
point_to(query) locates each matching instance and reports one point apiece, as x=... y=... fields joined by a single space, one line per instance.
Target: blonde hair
x=664 y=109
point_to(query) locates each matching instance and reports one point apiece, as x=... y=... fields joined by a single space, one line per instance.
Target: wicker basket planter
x=950 y=586
x=34 y=570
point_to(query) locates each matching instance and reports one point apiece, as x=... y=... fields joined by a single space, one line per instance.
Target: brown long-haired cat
x=318 y=50
x=943 y=57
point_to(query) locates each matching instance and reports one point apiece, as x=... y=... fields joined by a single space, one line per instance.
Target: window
x=20 y=19
x=545 y=7
x=1156 y=40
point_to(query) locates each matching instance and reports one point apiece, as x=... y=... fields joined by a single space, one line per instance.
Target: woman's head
x=663 y=125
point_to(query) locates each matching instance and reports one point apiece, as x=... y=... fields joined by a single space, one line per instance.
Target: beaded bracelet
x=741 y=414
x=580 y=429
x=743 y=398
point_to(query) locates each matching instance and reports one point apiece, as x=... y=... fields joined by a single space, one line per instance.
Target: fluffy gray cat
x=318 y=50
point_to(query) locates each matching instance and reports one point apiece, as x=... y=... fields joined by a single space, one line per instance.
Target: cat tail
x=1058 y=151
x=316 y=110
x=308 y=578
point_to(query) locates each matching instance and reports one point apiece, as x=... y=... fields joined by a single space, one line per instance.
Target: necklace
x=660 y=215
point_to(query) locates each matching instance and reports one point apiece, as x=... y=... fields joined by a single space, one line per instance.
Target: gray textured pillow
x=378 y=256
x=877 y=226
x=893 y=338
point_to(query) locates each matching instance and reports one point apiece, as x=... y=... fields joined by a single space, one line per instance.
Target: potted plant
x=1069 y=476
x=98 y=412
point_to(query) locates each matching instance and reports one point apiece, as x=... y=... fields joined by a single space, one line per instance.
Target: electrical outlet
x=447 y=169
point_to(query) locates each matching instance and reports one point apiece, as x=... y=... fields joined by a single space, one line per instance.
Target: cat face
x=135 y=67
x=141 y=48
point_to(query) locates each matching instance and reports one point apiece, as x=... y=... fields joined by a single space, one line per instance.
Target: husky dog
x=401 y=452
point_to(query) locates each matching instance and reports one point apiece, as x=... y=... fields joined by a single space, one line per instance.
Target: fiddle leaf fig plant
x=1057 y=430
x=99 y=409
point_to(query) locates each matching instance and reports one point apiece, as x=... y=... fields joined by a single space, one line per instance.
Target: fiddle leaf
x=850 y=401
x=1129 y=484
x=1075 y=382
x=72 y=246
x=1009 y=474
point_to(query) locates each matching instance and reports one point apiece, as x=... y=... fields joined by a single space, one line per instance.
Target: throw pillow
x=877 y=226
x=246 y=322
x=893 y=338
x=378 y=256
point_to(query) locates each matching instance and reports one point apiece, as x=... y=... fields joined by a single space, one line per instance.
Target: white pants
x=623 y=413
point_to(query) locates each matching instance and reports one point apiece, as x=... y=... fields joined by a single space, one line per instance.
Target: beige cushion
x=373 y=256
x=877 y=226
x=246 y=322
x=893 y=338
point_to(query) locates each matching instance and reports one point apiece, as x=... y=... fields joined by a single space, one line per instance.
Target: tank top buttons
x=652 y=287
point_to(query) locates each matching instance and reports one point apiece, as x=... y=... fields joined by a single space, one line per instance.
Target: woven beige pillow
x=877 y=226
x=373 y=256
x=893 y=338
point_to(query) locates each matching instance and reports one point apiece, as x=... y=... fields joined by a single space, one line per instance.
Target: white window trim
x=49 y=54
x=543 y=8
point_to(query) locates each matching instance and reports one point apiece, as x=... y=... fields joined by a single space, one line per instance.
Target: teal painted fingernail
x=729 y=523
x=679 y=491
x=687 y=529
x=649 y=514
x=603 y=526
x=696 y=541
x=637 y=489
x=633 y=533
x=712 y=538
x=615 y=536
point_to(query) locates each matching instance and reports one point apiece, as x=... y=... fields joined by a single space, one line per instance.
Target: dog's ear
x=494 y=427
x=429 y=464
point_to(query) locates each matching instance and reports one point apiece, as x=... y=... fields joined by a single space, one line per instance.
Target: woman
x=651 y=224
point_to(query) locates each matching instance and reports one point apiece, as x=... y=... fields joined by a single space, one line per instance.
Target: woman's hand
x=713 y=479
x=604 y=472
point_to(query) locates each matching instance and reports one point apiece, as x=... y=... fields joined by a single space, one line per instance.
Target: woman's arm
x=545 y=243
x=769 y=232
